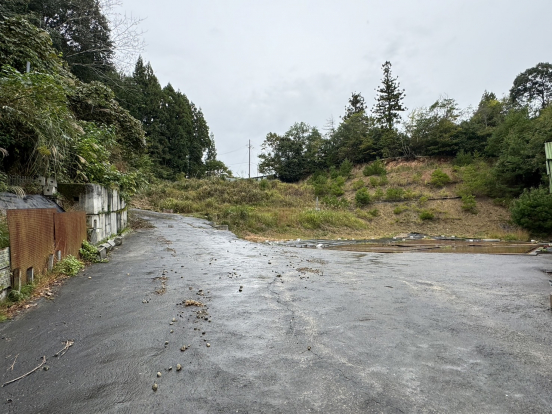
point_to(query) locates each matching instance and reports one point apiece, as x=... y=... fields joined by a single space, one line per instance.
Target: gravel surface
x=188 y=319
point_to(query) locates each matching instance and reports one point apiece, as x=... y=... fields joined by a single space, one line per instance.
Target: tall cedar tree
x=389 y=100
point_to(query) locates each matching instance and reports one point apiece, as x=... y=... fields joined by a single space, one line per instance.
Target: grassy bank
x=424 y=196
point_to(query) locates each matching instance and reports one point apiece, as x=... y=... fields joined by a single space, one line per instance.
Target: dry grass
x=271 y=210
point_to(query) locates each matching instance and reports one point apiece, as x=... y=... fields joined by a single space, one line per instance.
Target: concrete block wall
x=5 y=273
x=106 y=211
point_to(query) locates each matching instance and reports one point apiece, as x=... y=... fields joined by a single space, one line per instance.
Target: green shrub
x=374 y=182
x=375 y=168
x=89 y=253
x=69 y=266
x=345 y=168
x=476 y=179
x=320 y=185
x=263 y=184
x=469 y=204
x=426 y=215
x=334 y=202
x=334 y=172
x=463 y=158
x=357 y=185
x=422 y=200
x=312 y=219
x=379 y=194
x=336 y=190
x=533 y=211
x=394 y=194
x=362 y=197
x=374 y=212
x=439 y=178
x=4 y=233
x=400 y=209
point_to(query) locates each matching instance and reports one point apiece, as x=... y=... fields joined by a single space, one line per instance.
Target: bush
x=379 y=194
x=69 y=266
x=375 y=168
x=533 y=211
x=320 y=185
x=334 y=202
x=362 y=197
x=345 y=168
x=394 y=194
x=439 y=178
x=463 y=158
x=426 y=215
x=263 y=184
x=469 y=204
x=374 y=212
x=400 y=209
x=89 y=253
x=4 y=233
x=357 y=185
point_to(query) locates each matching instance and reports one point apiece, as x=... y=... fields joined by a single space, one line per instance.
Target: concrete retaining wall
x=106 y=211
x=5 y=273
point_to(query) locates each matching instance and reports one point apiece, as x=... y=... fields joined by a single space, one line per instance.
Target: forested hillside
x=505 y=135
x=68 y=111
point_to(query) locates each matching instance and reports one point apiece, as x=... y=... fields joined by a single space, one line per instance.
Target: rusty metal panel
x=31 y=239
x=70 y=232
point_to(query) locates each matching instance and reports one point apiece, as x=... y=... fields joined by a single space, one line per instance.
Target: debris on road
x=28 y=373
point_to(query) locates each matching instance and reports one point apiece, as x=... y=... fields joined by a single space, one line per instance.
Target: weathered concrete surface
x=387 y=333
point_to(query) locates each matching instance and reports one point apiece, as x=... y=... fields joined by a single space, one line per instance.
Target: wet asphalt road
x=311 y=331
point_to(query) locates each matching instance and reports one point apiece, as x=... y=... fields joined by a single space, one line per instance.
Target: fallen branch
x=68 y=344
x=13 y=363
x=28 y=373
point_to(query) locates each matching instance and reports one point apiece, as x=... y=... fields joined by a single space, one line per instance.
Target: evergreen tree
x=389 y=100
x=356 y=106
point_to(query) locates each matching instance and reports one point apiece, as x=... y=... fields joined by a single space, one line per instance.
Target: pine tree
x=389 y=100
x=356 y=106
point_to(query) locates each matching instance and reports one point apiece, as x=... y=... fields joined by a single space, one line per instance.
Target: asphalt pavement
x=221 y=325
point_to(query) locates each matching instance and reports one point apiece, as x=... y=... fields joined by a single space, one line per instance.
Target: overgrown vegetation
x=89 y=253
x=17 y=298
x=406 y=201
x=69 y=266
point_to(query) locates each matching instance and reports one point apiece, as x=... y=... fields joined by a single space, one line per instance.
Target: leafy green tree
x=521 y=159
x=79 y=29
x=434 y=130
x=533 y=211
x=389 y=101
x=533 y=87
x=292 y=156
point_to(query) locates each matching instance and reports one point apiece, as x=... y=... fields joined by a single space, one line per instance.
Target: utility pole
x=249 y=146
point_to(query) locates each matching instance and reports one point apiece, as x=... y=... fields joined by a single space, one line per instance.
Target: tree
x=389 y=100
x=533 y=87
x=356 y=106
x=434 y=130
x=292 y=156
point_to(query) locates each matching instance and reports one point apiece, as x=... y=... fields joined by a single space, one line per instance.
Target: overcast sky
x=260 y=66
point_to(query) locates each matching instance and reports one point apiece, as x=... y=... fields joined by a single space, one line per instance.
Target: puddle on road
x=433 y=246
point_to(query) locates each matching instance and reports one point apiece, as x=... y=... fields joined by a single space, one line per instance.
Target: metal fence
x=38 y=236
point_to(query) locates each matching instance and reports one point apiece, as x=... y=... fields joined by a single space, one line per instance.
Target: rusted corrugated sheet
x=70 y=231
x=31 y=239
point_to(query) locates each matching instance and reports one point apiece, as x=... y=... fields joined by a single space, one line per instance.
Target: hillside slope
x=407 y=198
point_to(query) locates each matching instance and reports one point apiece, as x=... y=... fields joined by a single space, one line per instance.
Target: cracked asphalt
x=283 y=330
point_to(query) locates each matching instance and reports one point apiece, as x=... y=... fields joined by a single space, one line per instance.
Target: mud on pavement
x=187 y=318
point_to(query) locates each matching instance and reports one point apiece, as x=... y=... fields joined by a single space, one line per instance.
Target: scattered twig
x=28 y=373
x=68 y=344
x=13 y=363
